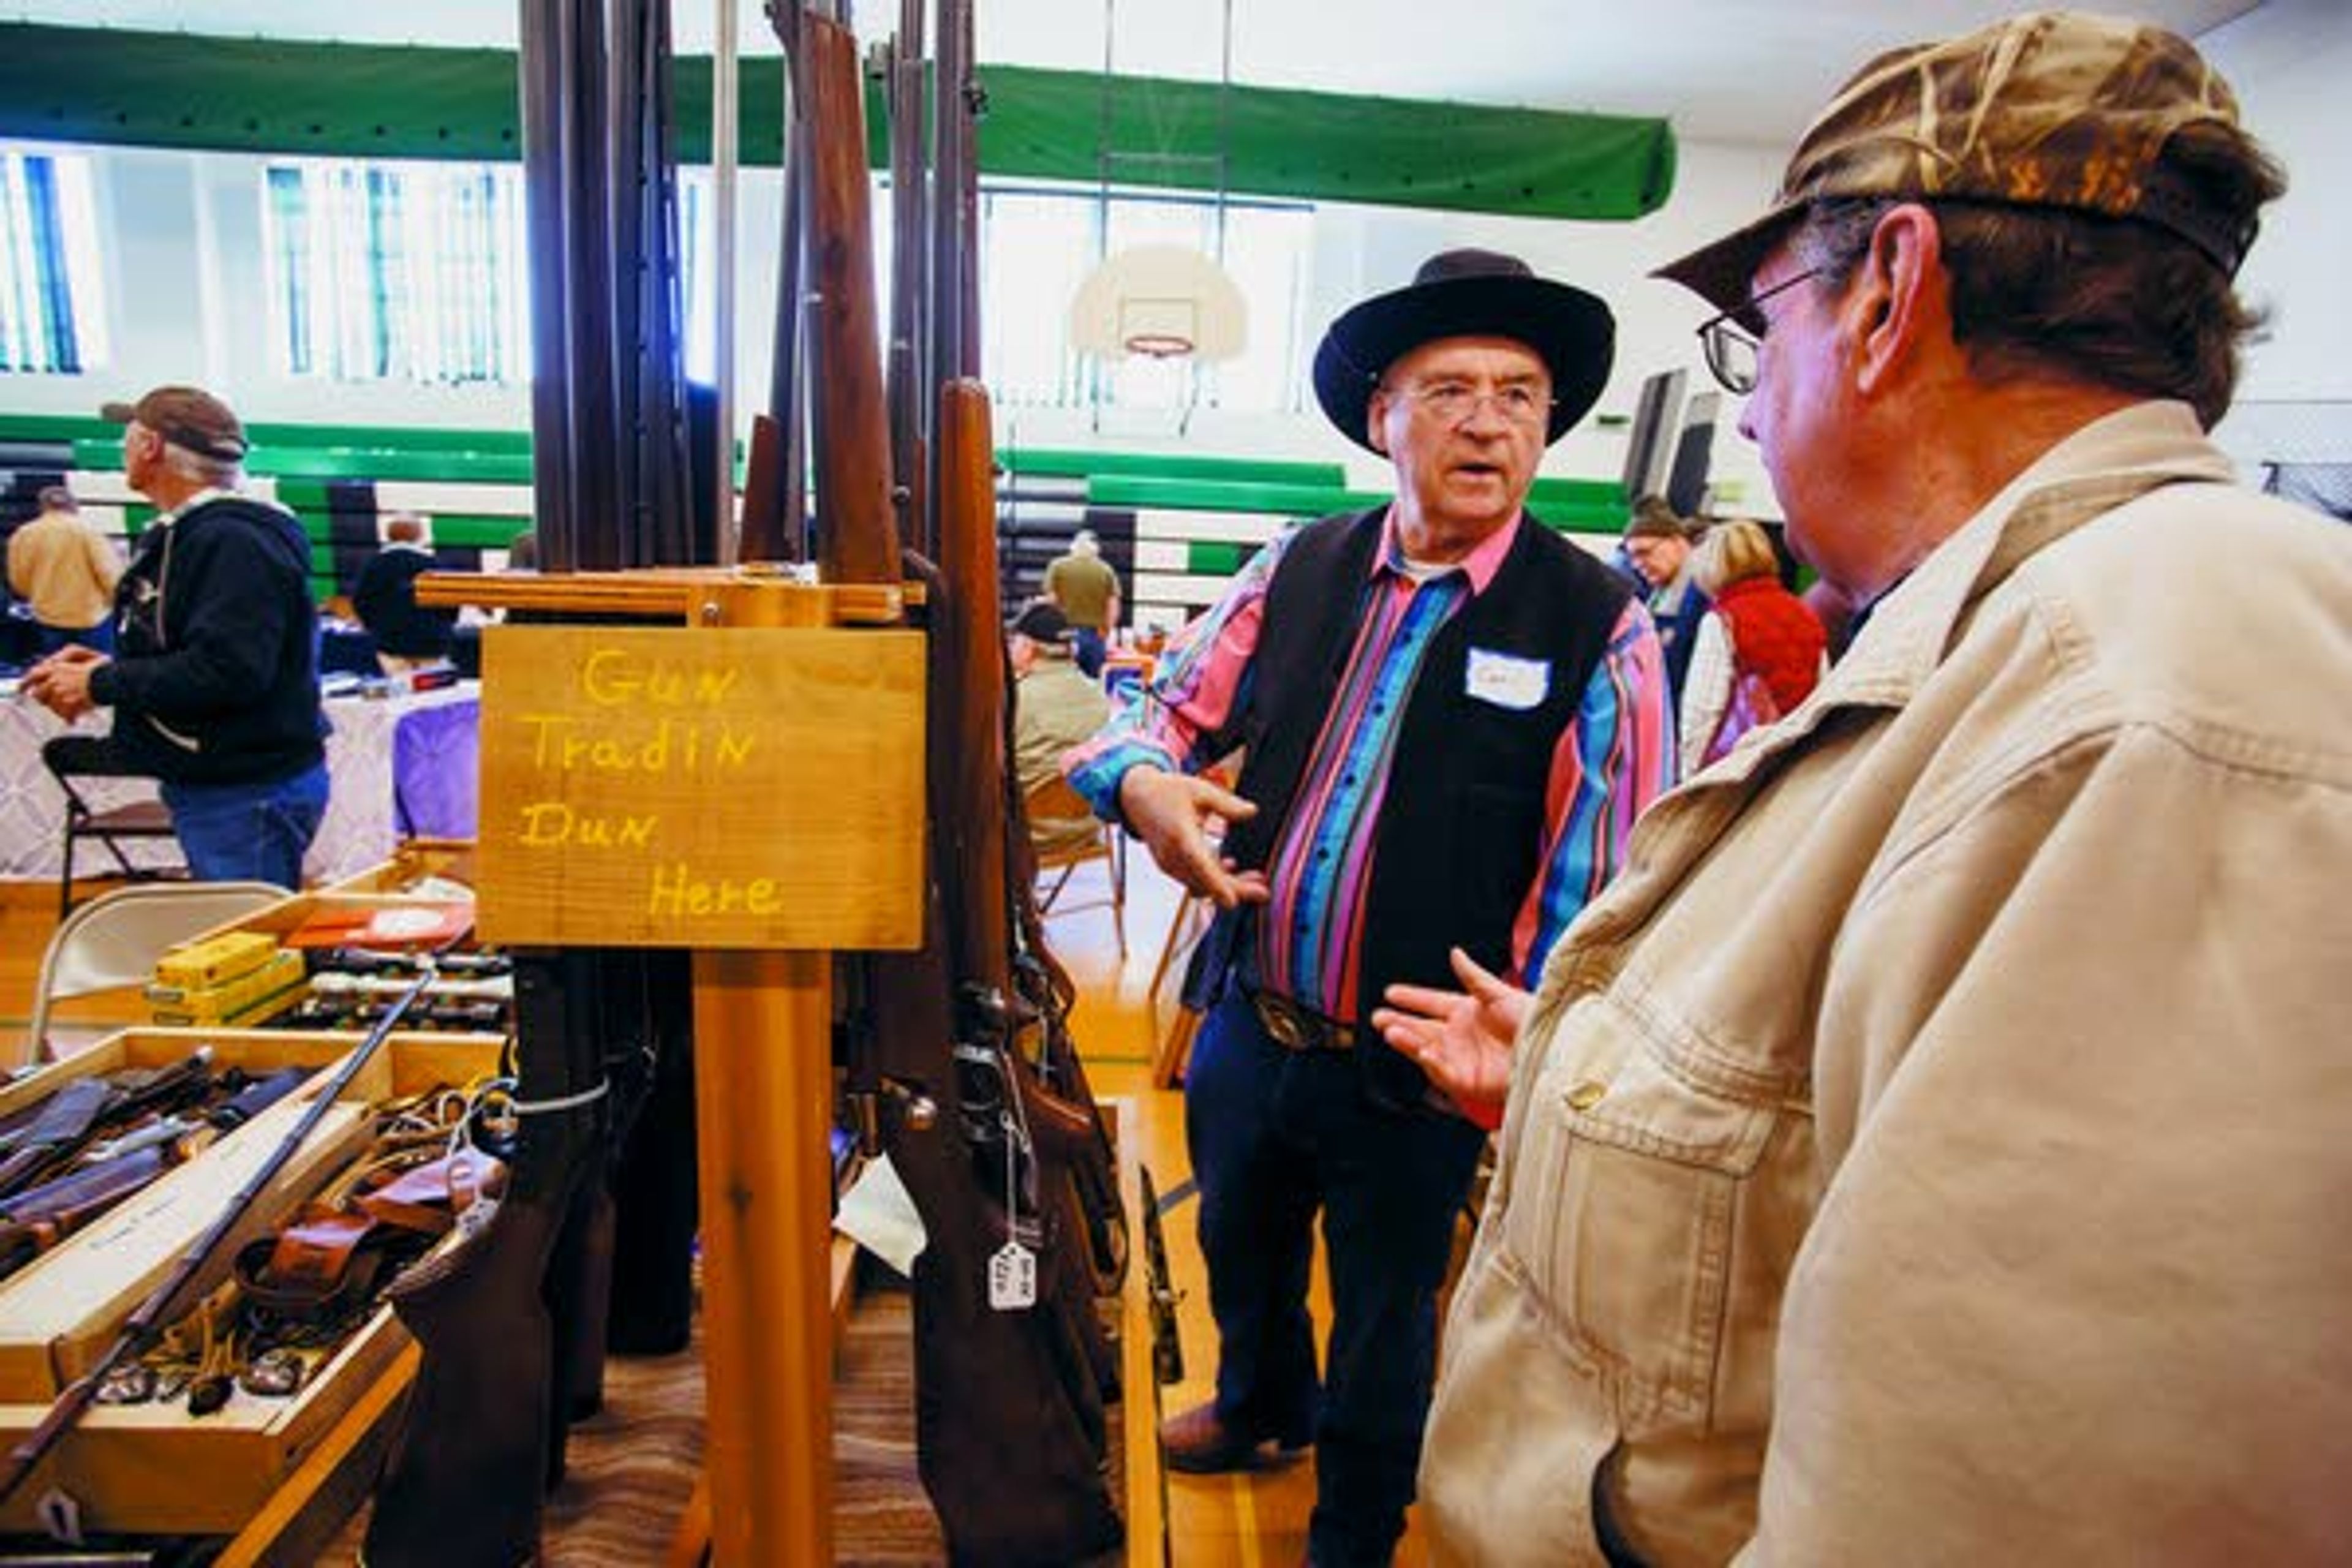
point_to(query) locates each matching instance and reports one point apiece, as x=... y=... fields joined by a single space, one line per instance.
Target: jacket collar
x=2106 y=463
x=203 y=498
x=2101 y=466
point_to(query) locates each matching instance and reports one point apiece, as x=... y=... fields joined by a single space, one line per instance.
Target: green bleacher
x=312 y=467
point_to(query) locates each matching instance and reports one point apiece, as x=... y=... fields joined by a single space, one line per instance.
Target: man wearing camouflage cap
x=1931 y=1149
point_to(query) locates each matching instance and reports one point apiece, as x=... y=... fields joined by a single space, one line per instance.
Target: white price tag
x=1011 y=1278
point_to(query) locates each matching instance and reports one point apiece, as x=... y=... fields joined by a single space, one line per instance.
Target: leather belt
x=1296 y=1027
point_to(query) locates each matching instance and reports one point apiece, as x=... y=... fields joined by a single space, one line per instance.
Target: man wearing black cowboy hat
x=1451 y=717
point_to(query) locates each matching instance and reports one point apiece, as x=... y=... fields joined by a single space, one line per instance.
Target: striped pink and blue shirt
x=1611 y=761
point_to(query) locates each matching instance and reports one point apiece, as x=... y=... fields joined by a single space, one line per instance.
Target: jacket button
x=1586 y=1095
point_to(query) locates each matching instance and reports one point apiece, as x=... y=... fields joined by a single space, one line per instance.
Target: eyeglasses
x=1732 y=340
x=1453 y=402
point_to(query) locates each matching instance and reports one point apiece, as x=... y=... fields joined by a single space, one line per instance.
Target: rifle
x=466 y=1478
x=1055 y=1148
x=1009 y=1419
x=775 y=497
x=511 y=1320
x=908 y=375
x=1009 y=1424
x=851 y=421
x=954 y=318
x=1167 y=1335
x=176 y=1294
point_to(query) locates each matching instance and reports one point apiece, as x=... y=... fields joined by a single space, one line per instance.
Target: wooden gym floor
x=1214 y=1522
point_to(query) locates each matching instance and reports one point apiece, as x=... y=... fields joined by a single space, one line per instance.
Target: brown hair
x=2049 y=290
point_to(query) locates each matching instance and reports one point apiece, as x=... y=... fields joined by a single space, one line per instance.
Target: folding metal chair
x=84 y=757
x=1054 y=811
x=115 y=939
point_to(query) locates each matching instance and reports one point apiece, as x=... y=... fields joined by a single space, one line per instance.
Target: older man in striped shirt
x=1450 y=717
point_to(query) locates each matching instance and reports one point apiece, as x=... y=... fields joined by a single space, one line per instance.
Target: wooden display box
x=413 y=861
x=290 y=914
x=140 y=1468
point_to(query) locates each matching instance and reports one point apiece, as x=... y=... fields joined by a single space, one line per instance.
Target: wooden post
x=762 y=968
x=763 y=1092
x=763 y=1116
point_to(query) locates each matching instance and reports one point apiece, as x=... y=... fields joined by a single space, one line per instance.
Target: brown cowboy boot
x=1200 y=1443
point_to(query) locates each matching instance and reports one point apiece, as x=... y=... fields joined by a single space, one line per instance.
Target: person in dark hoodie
x=215 y=682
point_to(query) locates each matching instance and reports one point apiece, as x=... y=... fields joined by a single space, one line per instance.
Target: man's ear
x=1901 y=301
x=1376 y=422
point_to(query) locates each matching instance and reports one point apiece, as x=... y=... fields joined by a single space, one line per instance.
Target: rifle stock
x=763 y=536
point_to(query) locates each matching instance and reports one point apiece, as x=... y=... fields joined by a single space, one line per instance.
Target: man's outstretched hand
x=1172 y=814
x=1461 y=1040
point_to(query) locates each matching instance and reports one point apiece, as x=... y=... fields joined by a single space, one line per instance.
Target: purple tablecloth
x=437 y=772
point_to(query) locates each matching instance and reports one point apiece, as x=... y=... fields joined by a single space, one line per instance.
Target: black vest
x=1461 y=830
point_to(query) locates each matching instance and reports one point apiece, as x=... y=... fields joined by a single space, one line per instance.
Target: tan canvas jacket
x=1937 y=1146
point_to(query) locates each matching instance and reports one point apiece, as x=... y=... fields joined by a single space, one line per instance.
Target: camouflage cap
x=2052 y=109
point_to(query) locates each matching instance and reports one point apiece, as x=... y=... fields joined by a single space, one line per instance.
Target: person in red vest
x=1758 y=652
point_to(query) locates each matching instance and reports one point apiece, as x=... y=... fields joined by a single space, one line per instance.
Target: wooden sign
x=730 y=788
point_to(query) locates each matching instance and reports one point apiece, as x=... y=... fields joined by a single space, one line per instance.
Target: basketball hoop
x=1160 y=345
x=1162 y=303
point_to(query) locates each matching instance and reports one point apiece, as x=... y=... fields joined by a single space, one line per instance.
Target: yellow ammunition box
x=214 y=960
x=228 y=1002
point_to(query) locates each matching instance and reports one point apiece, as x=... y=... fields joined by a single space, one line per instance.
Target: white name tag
x=1517 y=684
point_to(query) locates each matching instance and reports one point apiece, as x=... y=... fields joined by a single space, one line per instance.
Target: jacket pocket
x=1519 y=1431
x=1625 y=1197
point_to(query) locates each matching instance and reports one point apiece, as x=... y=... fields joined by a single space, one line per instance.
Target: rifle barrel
x=859 y=536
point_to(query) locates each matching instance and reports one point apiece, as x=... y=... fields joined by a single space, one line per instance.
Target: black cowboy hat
x=1468 y=294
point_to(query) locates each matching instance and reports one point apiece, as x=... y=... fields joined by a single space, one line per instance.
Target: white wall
x=2291 y=62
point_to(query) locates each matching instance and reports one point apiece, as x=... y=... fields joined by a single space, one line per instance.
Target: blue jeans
x=249 y=831
x=99 y=636
x=1276 y=1135
x=1086 y=650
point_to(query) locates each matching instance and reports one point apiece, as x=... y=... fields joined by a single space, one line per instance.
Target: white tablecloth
x=362 y=812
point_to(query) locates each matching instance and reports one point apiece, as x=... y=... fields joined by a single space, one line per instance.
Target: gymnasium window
x=387 y=271
x=381 y=271
x=1037 y=245
x=51 y=317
